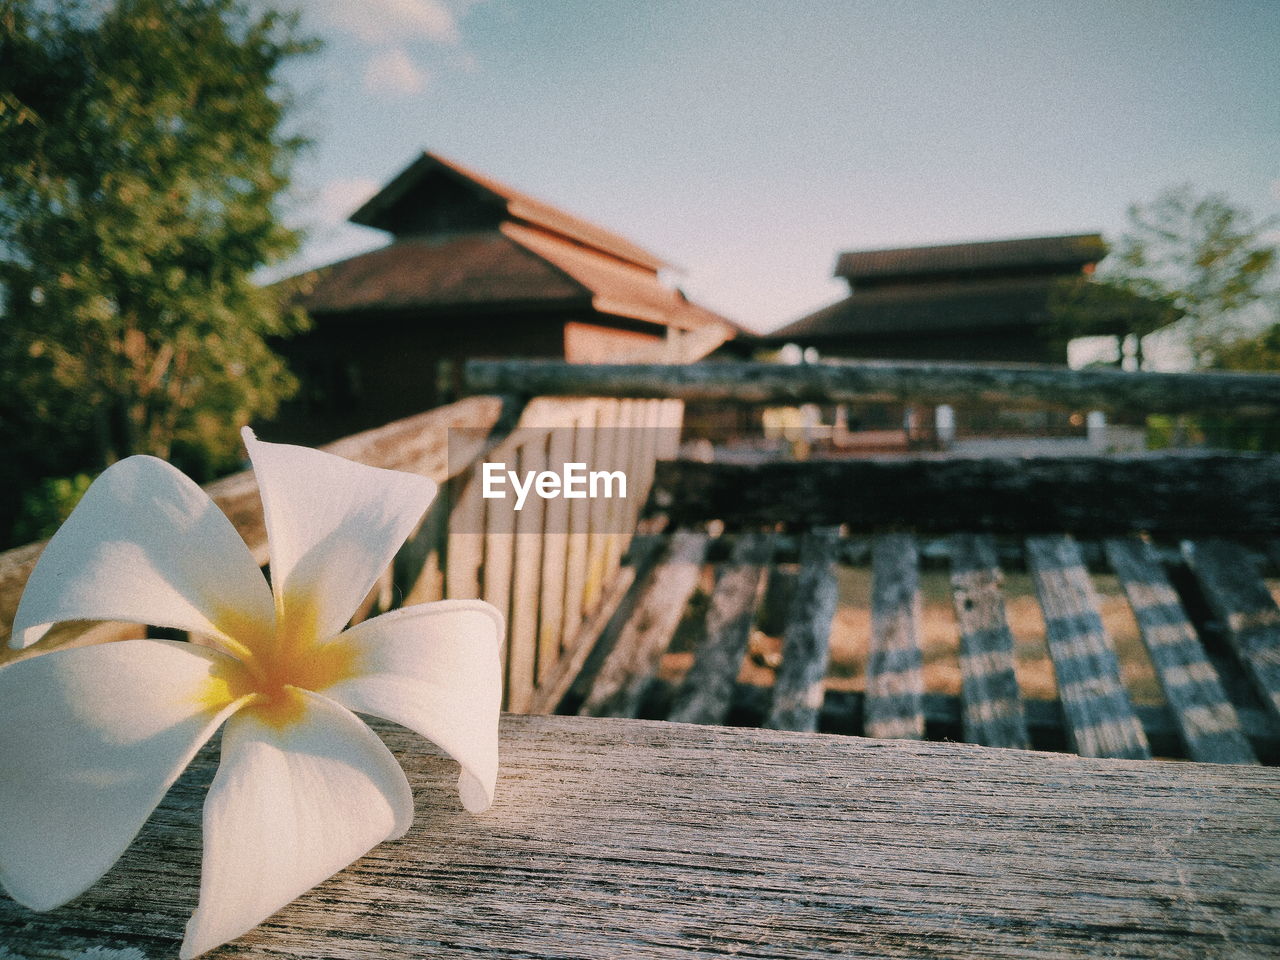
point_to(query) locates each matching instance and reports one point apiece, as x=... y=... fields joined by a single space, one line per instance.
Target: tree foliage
x=145 y=157
x=1194 y=258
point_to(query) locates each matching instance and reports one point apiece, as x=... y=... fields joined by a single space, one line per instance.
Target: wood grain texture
x=993 y=713
x=801 y=681
x=706 y=694
x=620 y=685
x=895 y=665
x=1182 y=494
x=889 y=382
x=631 y=839
x=1239 y=598
x=1208 y=721
x=1099 y=715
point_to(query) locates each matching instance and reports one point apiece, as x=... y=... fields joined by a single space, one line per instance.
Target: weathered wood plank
x=895 y=665
x=993 y=713
x=613 y=839
x=706 y=694
x=1099 y=715
x=1206 y=718
x=1198 y=494
x=620 y=685
x=889 y=382
x=801 y=680
x=1239 y=598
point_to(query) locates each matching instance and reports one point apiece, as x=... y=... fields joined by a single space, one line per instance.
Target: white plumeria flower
x=91 y=738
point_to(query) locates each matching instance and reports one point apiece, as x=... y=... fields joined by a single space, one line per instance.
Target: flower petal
x=436 y=669
x=146 y=545
x=92 y=739
x=333 y=526
x=290 y=806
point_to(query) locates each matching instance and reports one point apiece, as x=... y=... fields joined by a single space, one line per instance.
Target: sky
x=748 y=142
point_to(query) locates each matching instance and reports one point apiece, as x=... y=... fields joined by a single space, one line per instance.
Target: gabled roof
x=421 y=273
x=1054 y=254
x=517 y=264
x=519 y=207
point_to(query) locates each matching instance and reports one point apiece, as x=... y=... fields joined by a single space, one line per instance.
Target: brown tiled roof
x=617 y=288
x=1068 y=253
x=417 y=272
x=520 y=206
x=518 y=264
x=975 y=305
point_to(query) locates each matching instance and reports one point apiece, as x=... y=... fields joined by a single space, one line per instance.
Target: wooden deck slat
x=993 y=713
x=619 y=687
x=675 y=842
x=1100 y=717
x=801 y=681
x=1241 y=601
x=1206 y=718
x=706 y=694
x=895 y=665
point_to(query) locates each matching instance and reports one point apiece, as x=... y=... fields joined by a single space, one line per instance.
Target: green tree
x=145 y=159
x=1210 y=259
x=1190 y=259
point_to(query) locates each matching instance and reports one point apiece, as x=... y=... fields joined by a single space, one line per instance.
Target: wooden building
x=966 y=301
x=474 y=269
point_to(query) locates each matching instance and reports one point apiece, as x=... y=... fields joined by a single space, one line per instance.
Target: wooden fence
x=547 y=584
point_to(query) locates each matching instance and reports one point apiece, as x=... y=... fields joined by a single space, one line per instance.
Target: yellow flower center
x=274 y=670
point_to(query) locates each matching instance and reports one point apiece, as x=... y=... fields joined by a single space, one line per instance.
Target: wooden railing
x=1240 y=394
x=548 y=572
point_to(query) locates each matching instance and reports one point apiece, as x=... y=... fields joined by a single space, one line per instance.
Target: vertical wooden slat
x=1239 y=598
x=1099 y=715
x=993 y=711
x=526 y=580
x=801 y=681
x=618 y=509
x=579 y=541
x=895 y=665
x=707 y=691
x=555 y=549
x=1209 y=725
x=606 y=438
x=625 y=675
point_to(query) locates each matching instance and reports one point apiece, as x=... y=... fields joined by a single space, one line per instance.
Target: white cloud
x=386 y=21
x=391 y=71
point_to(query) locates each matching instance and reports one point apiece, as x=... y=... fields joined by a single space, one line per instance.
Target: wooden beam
x=619 y=687
x=993 y=713
x=801 y=680
x=706 y=694
x=671 y=841
x=1198 y=494
x=1246 y=394
x=1206 y=718
x=1100 y=718
x=895 y=679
